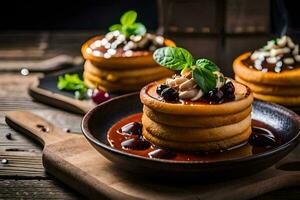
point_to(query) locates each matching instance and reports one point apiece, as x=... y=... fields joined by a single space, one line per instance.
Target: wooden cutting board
x=71 y=159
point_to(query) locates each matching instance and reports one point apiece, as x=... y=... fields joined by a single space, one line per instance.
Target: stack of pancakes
x=196 y=126
x=282 y=88
x=120 y=73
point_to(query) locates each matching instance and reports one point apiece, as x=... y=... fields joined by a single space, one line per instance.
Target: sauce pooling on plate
x=126 y=135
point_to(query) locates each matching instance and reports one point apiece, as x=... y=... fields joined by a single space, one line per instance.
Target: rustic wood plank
x=24 y=155
x=15 y=85
x=22 y=165
x=30 y=49
x=35 y=189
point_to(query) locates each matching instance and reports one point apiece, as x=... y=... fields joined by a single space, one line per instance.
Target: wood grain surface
x=71 y=159
x=15 y=183
x=41 y=51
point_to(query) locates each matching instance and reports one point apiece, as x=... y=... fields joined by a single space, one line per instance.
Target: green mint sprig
x=128 y=25
x=72 y=82
x=176 y=58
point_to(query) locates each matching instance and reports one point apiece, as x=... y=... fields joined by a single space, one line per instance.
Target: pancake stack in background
x=272 y=72
x=121 y=60
x=116 y=63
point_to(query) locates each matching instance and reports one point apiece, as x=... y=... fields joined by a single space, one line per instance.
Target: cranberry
x=100 y=96
x=160 y=88
x=170 y=94
x=133 y=128
x=215 y=96
x=135 y=144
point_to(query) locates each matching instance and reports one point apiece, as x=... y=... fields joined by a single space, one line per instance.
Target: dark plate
x=49 y=82
x=96 y=123
x=45 y=90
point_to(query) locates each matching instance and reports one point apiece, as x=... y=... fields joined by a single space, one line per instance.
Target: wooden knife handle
x=35 y=126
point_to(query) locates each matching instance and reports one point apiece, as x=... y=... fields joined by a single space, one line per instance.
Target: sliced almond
x=198 y=96
x=290 y=42
x=288 y=61
x=180 y=80
x=297 y=58
x=296 y=50
x=188 y=94
x=187 y=85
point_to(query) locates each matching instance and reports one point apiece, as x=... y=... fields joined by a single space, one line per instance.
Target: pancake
x=90 y=84
x=100 y=81
x=199 y=121
x=285 y=78
x=125 y=73
x=192 y=135
x=201 y=146
x=271 y=89
x=120 y=62
x=283 y=100
x=127 y=77
x=198 y=109
x=111 y=88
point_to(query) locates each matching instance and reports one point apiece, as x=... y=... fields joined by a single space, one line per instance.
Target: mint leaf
x=72 y=83
x=128 y=18
x=174 y=58
x=136 y=29
x=204 y=78
x=128 y=26
x=116 y=27
x=207 y=64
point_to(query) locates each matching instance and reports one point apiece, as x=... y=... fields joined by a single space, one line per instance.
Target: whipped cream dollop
x=279 y=54
x=114 y=43
x=188 y=89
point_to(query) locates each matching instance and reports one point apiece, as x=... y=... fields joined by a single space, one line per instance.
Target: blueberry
x=169 y=94
x=228 y=89
x=160 y=88
x=133 y=128
x=162 y=153
x=135 y=144
x=215 y=96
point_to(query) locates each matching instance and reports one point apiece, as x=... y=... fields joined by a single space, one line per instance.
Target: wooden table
x=24 y=177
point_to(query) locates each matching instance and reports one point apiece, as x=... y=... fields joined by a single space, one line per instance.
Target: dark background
x=96 y=14
x=73 y=15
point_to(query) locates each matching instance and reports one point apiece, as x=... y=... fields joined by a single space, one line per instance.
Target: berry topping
x=215 y=96
x=135 y=144
x=100 y=96
x=170 y=94
x=162 y=154
x=133 y=128
x=160 y=88
x=228 y=90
